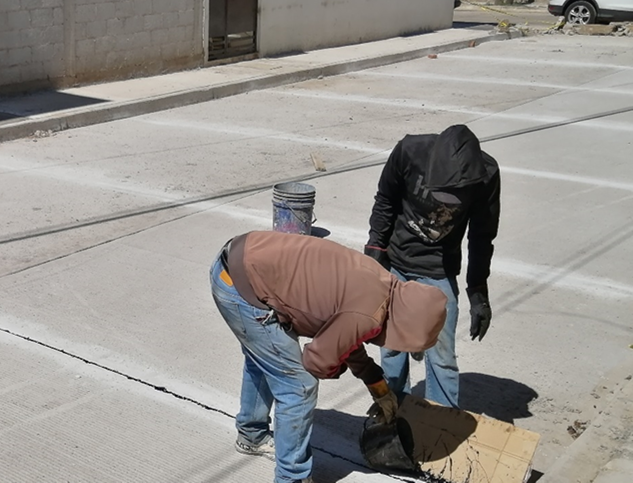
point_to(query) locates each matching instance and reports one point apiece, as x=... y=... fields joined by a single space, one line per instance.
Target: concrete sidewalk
x=87 y=105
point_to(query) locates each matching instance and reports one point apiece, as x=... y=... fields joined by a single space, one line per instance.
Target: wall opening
x=232 y=28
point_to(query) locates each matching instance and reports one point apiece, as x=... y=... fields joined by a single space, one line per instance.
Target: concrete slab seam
x=90 y=247
x=81 y=117
x=264 y=186
x=120 y=215
x=117 y=372
x=165 y=390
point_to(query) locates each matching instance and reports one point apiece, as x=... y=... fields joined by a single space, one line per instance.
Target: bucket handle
x=314 y=218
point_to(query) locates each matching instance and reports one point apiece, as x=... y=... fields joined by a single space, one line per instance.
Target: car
x=583 y=12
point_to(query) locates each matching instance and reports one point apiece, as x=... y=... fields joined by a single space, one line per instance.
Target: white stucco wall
x=302 y=25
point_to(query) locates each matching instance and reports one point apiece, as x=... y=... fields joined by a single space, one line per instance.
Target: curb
x=112 y=111
x=600 y=442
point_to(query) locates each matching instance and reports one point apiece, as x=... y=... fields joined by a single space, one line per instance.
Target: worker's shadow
x=499 y=398
x=336 y=446
x=426 y=432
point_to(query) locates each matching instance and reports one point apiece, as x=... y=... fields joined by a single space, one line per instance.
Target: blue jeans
x=442 y=373
x=273 y=371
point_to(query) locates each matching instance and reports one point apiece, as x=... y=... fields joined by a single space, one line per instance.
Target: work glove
x=480 y=312
x=385 y=403
x=380 y=255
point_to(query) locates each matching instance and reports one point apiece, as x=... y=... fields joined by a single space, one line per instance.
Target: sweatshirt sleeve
x=339 y=342
x=482 y=230
x=387 y=202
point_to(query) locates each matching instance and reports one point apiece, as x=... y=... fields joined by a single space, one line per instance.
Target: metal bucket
x=293 y=208
x=383 y=448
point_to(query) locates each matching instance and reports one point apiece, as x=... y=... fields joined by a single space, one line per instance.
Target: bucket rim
x=305 y=189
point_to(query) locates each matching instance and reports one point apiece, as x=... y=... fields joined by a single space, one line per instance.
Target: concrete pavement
x=86 y=105
x=120 y=369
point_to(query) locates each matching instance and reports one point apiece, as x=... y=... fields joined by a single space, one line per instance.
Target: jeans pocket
x=230 y=311
x=222 y=297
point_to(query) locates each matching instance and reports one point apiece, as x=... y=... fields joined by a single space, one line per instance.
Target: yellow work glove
x=385 y=403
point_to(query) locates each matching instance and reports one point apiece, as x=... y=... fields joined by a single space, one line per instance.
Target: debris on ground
x=577 y=428
x=617 y=29
x=507 y=27
x=41 y=134
x=319 y=165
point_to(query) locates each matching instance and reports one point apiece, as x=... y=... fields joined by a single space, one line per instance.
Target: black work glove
x=480 y=312
x=380 y=255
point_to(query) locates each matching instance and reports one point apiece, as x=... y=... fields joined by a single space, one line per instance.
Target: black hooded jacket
x=432 y=188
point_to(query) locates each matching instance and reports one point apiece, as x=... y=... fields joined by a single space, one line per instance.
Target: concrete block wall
x=58 y=43
x=31 y=40
x=302 y=25
x=63 y=42
x=122 y=37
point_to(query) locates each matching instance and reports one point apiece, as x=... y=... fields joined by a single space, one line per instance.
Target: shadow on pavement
x=430 y=432
x=319 y=232
x=535 y=476
x=474 y=25
x=42 y=102
x=499 y=398
x=336 y=445
x=5 y=116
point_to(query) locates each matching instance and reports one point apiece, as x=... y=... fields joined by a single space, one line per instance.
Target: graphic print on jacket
x=437 y=212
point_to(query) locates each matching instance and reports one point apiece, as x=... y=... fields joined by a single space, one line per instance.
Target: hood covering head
x=416 y=316
x=455 y=159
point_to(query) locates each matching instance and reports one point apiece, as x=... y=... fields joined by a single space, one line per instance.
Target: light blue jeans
x=442 y=373
x=273 y=371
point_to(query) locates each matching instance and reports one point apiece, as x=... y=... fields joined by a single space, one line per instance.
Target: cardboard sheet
x=454 y=446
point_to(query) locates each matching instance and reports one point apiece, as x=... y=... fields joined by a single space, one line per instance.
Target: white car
x=582 y=12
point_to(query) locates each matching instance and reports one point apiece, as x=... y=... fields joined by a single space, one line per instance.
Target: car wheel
x=580 y=13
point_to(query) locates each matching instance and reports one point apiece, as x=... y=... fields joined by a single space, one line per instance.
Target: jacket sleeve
x=340 y=342
x=388 y=201
x=482 y=230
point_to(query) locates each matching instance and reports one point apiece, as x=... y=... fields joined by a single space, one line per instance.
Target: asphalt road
x=116 y=366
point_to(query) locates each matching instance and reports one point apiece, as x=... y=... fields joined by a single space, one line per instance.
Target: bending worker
x=432 y=188
x=272 y=287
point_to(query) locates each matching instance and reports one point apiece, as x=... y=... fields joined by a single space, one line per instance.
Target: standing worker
x=432 y=188
x=272 y=287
